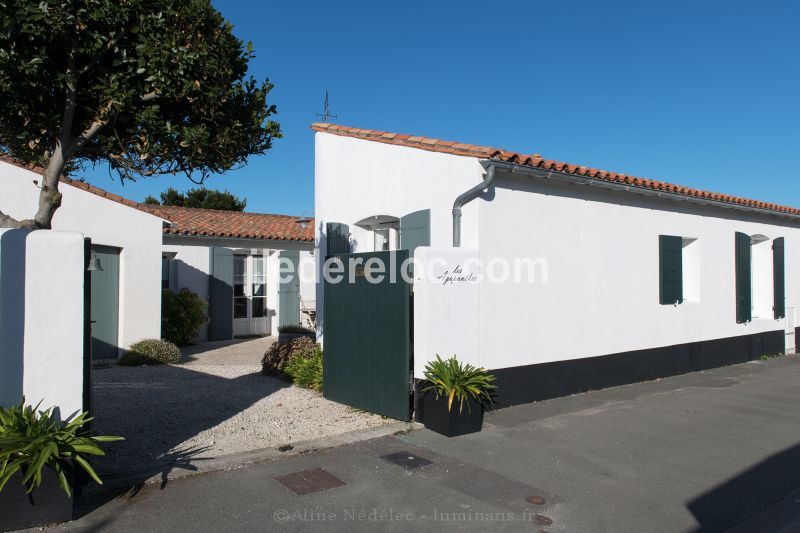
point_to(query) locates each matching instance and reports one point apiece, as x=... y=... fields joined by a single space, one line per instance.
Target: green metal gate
x=367 y=335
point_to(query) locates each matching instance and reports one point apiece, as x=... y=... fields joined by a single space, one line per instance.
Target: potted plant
x=454 y=400
x=39 y=459
x=290 y=332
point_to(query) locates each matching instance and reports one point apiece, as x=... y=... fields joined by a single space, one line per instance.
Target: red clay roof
x=202 y=222
x=537 y=161
x=231 y=224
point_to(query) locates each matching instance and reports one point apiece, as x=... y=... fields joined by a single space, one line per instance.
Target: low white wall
x=41 y=319
x=109 y=223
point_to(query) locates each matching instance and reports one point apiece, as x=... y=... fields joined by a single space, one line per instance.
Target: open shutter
x=744 y=293
x=415 y=230
x=670 y=269
x=337 y=237
x=220 y=294
x=778 y=277
x=289 y=291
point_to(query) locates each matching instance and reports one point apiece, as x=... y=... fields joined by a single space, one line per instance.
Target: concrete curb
x=200 y=465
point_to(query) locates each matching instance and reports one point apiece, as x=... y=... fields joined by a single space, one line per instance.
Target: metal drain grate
x=308 y=481
x=406 y=460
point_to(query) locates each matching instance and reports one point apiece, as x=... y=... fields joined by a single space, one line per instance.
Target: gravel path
x=206 y=407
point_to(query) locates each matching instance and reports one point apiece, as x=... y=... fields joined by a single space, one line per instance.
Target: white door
x=250 y=295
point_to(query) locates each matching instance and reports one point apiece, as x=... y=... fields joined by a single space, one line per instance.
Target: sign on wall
x=446 y=305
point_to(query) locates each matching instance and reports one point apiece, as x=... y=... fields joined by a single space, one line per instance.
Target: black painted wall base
x=533 y=383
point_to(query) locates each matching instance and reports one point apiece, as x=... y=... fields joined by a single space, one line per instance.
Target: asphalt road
x=703 y=452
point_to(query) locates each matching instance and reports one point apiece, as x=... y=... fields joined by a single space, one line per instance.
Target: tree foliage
x=148 y=86
x=200 y=197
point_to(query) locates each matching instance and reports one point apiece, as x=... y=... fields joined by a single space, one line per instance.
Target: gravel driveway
x=215 y=402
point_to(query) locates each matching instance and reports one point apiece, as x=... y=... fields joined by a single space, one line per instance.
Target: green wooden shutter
x=337 y=238
x=415 y=230
x=779 y=277
x=670 y=269
x=289 y=292
x=220 y=294
x=744 y=293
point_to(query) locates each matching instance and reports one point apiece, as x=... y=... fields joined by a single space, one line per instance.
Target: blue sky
x=705 y=94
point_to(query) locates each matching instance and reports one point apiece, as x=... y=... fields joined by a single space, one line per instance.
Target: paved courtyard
x=703 y=452
x=215 y=402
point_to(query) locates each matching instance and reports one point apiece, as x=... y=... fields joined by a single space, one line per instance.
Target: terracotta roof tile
x=233 y=224
x=535 y=160
x=207 y=222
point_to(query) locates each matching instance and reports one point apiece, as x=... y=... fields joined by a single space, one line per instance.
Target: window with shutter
x=670 y=269
x=338 y=238
x=779 y=277
x=744 y=295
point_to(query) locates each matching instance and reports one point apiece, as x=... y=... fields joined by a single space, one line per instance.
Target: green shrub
x=31 y=440
x=305 y=369
x=182 y=314
x=458 y=381
x=150 y=352
x=296 y=330
x=279 y=353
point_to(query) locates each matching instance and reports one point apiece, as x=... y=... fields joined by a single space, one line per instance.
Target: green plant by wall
x=458 y=381
x=279 y=353
x=150 y=352
x=305 y=369
x=182 y=315
x=31 y=440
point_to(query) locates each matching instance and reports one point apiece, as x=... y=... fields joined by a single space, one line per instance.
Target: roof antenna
x=326 y=115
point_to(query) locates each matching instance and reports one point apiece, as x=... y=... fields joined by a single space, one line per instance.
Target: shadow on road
x=750 y=492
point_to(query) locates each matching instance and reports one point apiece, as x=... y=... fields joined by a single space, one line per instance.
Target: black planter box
x=47 y=505
x=452 y=423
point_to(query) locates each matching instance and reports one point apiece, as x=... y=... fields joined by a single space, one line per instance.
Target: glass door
x=249 y=295
x=258 y=295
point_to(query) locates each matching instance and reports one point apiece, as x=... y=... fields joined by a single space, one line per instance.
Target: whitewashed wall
x=355 y=179
x=602 y=254
x=41 y=319
x=600 y=249
x=108 y=223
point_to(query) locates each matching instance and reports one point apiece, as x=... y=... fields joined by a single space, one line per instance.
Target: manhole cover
x=308 y=481
x=406 y=460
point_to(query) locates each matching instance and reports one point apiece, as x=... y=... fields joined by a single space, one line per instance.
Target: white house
x=144 y=248
x=634 y=278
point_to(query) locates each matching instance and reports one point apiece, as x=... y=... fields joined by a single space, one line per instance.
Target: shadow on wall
x=749 y=493
x=12 y=315
x=188 y=277
x=156 y=409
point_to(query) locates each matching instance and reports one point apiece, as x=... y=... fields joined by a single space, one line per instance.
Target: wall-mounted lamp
x=94 y=263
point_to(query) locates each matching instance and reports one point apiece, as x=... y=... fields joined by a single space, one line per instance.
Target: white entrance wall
x=446 y=306
x=109 y=223
x=41 y=319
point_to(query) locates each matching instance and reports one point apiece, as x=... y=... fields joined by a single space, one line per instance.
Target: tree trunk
x=49 y=197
